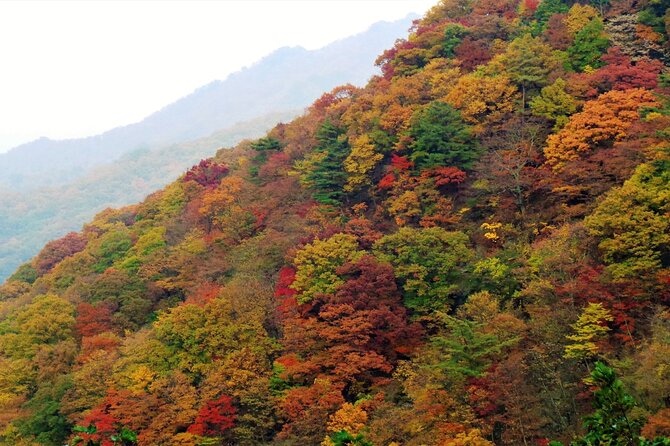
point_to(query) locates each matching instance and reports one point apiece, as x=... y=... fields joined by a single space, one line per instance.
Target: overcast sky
x=78 y=68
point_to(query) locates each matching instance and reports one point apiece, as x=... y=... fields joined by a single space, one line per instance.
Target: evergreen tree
x=441 y=138
x=612 y=423
x=267 y=144
x=323 y=171
x=589 y=45
x=546 y=9
x=466 y=349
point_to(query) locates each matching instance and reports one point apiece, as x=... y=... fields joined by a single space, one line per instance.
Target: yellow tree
x=554 y=103
x=219 y=200
x=350 y=418
x=579 y=16
x=316 y=264
x=484 y=101
x=589 y=328
x=361 y=161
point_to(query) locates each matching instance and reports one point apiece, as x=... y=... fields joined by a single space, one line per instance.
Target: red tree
x=207 y=173
x=355 y=334
x=214 y=418
x=472 y=53
x=93 y=320
x=55 y=251
x=622 y=73
x=557 y=33
x=105 y=425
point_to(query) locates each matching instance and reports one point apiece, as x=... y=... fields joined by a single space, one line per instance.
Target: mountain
x=288 y=79
x=472 y=249
x=30 y=219
x=48 y=188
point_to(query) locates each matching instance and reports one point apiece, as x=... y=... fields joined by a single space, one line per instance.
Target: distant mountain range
x=48 y=188
x=287 y=79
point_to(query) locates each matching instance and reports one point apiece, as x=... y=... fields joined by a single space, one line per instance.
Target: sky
x=78 y=68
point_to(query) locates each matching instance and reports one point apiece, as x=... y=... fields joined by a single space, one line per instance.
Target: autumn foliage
x=472 y=249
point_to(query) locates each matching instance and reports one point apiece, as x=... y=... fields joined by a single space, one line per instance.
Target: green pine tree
x=441 y=138
x=322 y=171
x=612 y=423
x=589 y=45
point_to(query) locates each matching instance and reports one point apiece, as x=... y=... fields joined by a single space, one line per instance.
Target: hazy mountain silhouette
x=287 y=79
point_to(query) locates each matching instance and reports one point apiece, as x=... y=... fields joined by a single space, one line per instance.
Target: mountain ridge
x=211 y=107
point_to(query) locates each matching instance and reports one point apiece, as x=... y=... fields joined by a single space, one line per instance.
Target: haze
x=73 y=69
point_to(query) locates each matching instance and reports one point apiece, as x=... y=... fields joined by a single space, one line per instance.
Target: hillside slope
x=473 y=249
x=28 y=220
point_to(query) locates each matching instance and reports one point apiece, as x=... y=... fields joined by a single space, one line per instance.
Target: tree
x=93 y=320
x=243 y=375
x=46 y=422
x=349 y=418
x=306 y=409
x=110 y=246
x=528 y=61
x=424 y=199
x=351 y=335
x=472 y=52
x=622 y=73
x=214 y=418
x=431 y=264
x=554 y=103
x=316 y=265
x=267 y=144
x=547 y=9
x=440 y=138
x=556 y=32
x=55 y=251
x=100 y=427
x=589 y=45
x=484 y=101
x=453 y=35
x=589 y=328
x=344 y=438
x=612 y=423
x=207 y=173
x=466 y=350
x=341 y=346
x=631 y=223
x=221 y=201
x=360 y=162
x=322 y=171
x=48 y=319
x=264 y=147
x=579 y=16
x=601 y=122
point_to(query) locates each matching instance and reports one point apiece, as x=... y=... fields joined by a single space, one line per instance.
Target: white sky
x=78 y=68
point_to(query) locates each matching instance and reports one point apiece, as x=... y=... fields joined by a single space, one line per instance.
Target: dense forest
x=472 y=250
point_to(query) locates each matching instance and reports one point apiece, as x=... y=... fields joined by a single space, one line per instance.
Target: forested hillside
x=472 y=250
